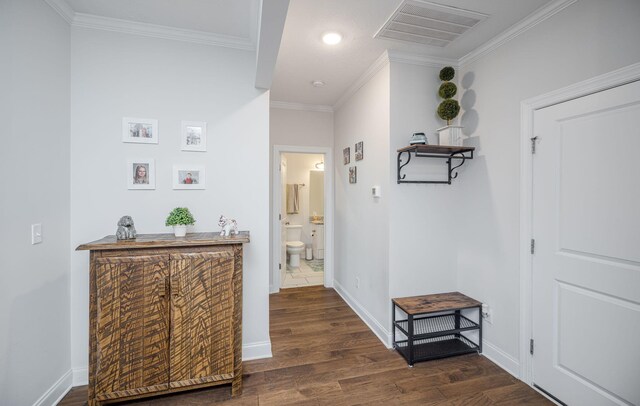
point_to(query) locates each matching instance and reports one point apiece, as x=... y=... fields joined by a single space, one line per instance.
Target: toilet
x=294 y=245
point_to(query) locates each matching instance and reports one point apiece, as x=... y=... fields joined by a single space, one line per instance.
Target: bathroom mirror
x=316 y=193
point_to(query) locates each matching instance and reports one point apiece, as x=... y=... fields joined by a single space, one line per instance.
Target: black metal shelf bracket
x=451 y=169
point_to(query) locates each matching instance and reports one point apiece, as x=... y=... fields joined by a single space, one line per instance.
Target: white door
x=283 y=218
x=586 y=266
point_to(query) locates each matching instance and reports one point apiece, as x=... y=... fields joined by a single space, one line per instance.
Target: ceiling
x=229 y=18
x=304 y=58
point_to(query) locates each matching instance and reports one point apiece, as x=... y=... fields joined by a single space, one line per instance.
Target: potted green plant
x=449 y=109
x=180 y=218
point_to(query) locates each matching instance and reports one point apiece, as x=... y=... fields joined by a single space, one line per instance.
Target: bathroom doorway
x=302 y=212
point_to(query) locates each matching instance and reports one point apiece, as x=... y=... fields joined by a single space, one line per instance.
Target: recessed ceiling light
x=317 y=83
x=331 y=38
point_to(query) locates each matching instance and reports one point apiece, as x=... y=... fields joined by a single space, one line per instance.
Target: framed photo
x=353 y=174
x=359 y=152
x=140 y=130
x=141 y=174
x=193 y=136
x=346 y=155
x=189 y=177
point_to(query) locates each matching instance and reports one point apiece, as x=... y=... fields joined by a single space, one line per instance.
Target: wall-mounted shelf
x=434 y=151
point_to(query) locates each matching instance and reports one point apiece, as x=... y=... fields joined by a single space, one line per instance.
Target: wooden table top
x=165 y=241
x=435 y=303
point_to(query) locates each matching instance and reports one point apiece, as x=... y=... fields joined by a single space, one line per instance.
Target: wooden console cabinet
x=165 y=315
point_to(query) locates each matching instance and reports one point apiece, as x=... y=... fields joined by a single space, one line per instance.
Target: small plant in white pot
x=449 y=109
x=180 y=218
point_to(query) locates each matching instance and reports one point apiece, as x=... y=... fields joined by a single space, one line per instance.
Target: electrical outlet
x=357 y=282
x=487 y=313
x=36 y=233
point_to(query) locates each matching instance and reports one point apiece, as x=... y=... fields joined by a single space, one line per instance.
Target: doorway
x=584 y=313
x=302 y=217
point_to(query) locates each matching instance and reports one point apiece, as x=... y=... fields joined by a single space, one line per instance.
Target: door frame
x=528 y=107
x=328 y=211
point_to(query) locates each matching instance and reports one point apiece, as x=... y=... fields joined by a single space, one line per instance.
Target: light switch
x=36 y=233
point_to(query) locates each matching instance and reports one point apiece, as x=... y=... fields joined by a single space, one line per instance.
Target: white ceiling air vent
x=428 y=23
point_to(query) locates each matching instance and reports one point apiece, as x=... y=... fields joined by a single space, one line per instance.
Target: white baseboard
x=56 y=392
x=257 y=350
x=80 y=376
x=378 y=329
x=501 y=358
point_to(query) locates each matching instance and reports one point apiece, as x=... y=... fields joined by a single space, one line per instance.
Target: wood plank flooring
x=323 y=354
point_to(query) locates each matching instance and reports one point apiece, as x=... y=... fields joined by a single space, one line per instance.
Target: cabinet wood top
x=435 y=303
x=165 y=241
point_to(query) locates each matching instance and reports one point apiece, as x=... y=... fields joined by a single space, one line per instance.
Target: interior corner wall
x=118 y=75
x=35 y=348
x=362 y=221
x=422 y=238
x=587 y=39
x=299 y=128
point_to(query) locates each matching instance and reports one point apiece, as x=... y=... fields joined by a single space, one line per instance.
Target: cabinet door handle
x=175 y=287
x=162 y=287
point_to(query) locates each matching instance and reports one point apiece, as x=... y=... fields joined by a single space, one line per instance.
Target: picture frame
x=193 y=136
x=353 y=174
x=140 y=130
x=189 y=177
x=359 y=151
x=346 y=155
x=141 y=174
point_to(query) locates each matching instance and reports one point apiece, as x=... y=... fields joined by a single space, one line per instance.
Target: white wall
x=362 y=222
x=422 y=248
x=34 y=188
x=116 y=75
x=588 y=38
x=299 y=167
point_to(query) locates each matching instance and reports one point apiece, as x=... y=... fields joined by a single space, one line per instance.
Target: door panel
x=132 y=325
x=586 y=268
x=283 y=219
x=201 y=317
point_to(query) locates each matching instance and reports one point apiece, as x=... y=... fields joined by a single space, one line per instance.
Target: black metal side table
x=434 y=326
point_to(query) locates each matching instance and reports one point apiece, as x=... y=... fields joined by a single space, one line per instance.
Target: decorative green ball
x=447 y=73
x=447 y=90
x=448 y=109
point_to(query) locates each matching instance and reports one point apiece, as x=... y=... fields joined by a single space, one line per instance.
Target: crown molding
x=160 y=31
x=275 y=104
x=420 y=60
x=515 y=30
x=376 y=66
x=61 y=7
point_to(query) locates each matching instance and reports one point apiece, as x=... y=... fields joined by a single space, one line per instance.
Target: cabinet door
x=202 y=306
x=132 y=325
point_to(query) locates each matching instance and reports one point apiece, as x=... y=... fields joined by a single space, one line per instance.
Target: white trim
x=376 y=66
x=515 y=30
x=160 y=31
x=80 y=376
x=328 y=211
x=62 y=8
x=56 y=392
x=501 y=358
x=275 y=104
x=378 y=329
x=420 y=60
x=258 y=350
x=528 y=107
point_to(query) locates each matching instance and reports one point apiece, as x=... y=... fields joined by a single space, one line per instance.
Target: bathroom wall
x=298 y=171
x=116 y=75
x=35 y=360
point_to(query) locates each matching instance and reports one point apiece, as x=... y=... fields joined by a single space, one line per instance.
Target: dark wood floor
x=323 y=354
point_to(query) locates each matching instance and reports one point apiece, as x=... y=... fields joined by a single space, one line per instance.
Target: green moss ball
x=447 y=90
x=448 y=109
x=447 y=73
